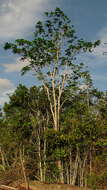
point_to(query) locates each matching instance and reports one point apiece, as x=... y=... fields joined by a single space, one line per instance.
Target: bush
x=95 y=181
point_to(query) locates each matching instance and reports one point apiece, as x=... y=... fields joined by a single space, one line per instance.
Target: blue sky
x=17 y=20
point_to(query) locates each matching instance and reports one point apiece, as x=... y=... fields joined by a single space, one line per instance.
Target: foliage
x=56 y=132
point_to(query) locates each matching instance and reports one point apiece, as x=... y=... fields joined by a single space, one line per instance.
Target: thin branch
x=47 y=90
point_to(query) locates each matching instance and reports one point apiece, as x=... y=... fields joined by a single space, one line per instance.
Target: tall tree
x=51 y=55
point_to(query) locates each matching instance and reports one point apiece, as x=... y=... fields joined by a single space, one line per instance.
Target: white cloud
x=6 y=87
x=16 y=16
x=15 y=67
x=97 y=60
x=101 y=50
x=5 y=96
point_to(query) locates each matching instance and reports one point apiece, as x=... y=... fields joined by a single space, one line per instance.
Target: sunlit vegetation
x=55 y=132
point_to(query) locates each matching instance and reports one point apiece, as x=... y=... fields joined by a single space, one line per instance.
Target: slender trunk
x=60 y=168
x=22 y=160
x=51 y=106
x=54 y=100
x=44 y=162
x=6 y=161
x=80 y=182
x=75 y=169
x=62 y=173
x=67 y=174
x=40 y=162
x=90 y=164
x=58 y=117
x=44 y=149
x=2 y=159
x=82 y=170
x=70 y=172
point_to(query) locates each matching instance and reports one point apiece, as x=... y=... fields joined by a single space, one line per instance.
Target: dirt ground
x=35 y=185
x=42 y=186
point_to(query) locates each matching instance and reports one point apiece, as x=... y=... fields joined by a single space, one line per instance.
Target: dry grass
x=41 y=186
x=35 y=185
